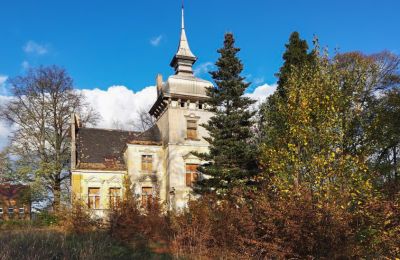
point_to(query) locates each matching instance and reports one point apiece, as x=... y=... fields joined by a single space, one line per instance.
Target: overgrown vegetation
x=319 y=180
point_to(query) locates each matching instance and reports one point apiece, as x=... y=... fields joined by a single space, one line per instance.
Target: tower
x=180 y=111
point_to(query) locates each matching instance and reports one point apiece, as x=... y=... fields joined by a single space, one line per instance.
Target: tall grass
x=54 y=244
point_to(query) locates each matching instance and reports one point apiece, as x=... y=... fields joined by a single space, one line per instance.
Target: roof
x=151 y=136
x=12 y=191
x=102 y=149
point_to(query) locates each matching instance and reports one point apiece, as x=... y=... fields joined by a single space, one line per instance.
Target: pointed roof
x=184 y=59
x=183 y=48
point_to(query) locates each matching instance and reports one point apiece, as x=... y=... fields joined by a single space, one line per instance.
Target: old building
x=158 y=161
x=15 y=202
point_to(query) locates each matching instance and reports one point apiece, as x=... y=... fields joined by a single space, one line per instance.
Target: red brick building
x=15 y=202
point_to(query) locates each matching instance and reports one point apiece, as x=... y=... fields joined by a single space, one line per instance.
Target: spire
x=184 y=59
x=183 y=17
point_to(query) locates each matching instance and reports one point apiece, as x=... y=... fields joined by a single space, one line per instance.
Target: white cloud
x=5 y=129
x=258 y=81
x=203 y=68
x=119 y=105
x=156 y=40
x=35 y=48
x=3 y=89
x=261 y=93
x=3 y=79
x=25 y=65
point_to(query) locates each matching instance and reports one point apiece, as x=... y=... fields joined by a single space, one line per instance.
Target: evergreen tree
x=296 y=55
x=231 y=156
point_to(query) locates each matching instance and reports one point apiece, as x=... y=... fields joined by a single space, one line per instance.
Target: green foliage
x=46 y=218
x=295 y=56
x=231 y=157
x=309 y=153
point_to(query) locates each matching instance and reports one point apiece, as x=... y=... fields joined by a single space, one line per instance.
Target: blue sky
x=104 y=43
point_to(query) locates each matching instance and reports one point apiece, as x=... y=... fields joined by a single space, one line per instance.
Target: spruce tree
x=272 y=121
x=296 y=55
x=231 y=156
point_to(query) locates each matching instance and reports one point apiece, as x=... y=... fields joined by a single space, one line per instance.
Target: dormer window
x=191 y=130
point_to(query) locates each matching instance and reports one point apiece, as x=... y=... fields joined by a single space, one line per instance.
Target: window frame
x=191 y=176
x=146 y=196
x=147 y=163
x=114 y=198
x=94 y=197
x=192 y=126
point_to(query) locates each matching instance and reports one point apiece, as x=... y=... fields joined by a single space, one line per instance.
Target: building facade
x=158 y=161
x=15 y=202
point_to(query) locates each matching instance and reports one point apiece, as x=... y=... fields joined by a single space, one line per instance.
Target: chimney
x=74 y=126
x=159 y=83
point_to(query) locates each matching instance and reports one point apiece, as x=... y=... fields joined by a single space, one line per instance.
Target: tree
x=41 y=107
x=295 y=57
x=231 y=157
x=309 y=154
x=370 y=108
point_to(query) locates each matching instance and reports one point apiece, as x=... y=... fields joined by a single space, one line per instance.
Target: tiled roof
x=151 y=136
x=12 y=191
x=102 y=149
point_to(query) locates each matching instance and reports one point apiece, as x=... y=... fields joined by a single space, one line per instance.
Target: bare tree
x=43 y=101
x=144 y=121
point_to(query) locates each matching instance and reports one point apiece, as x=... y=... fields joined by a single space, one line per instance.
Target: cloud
x=32 y=47
x=258 y=81
x=25 y=65
x=203 y=68
x=118 y=105
x=262 y=92
x=3 y=79
x=5 y=128
x=156 y=40
x=3 y=88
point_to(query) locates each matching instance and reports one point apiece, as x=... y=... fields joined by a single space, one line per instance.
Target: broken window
x=115 y=197
x=94 y=198
x=191 y=174
x=147 y=195
x=147 y=163
x=191 y=129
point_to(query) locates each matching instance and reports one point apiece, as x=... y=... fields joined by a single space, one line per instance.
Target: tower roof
x=184 y=59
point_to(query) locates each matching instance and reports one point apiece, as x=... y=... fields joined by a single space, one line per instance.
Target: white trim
x=148 y=145
x=97 y=171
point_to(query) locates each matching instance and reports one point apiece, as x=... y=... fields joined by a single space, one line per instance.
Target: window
x=191 y=129
x=115 y=197
x=21 y=212
x=10 y=211
x=1 y=212
x=191 y=174
x=94 y=198
x=147 y=163
x=147 y=195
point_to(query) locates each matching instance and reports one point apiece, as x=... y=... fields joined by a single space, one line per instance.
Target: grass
x=52 y=243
